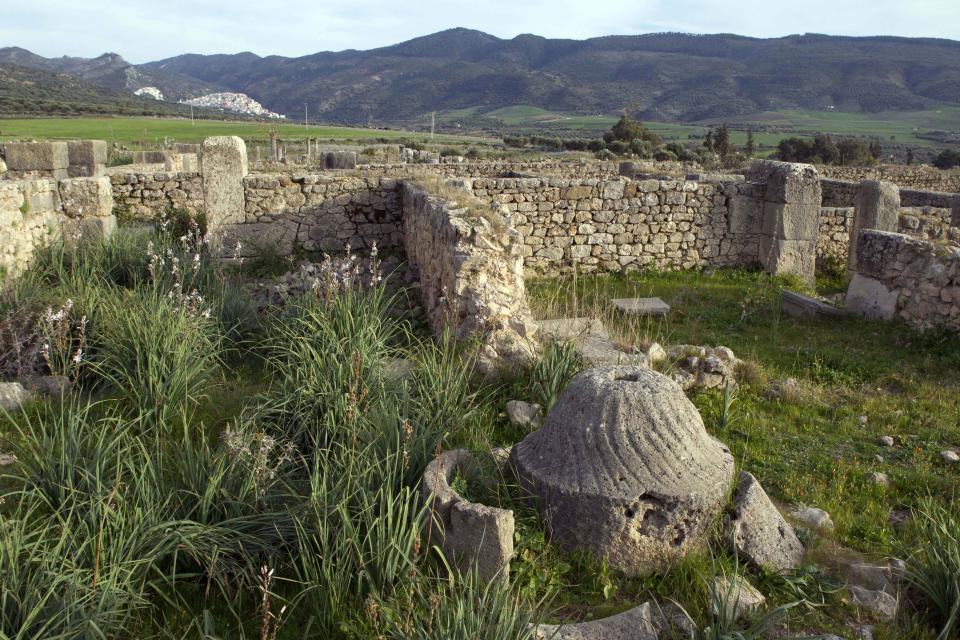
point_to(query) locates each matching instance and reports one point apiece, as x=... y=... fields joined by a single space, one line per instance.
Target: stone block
x=757 y=532
x=40 y=195
x=877 y=250
x=80 y=231
x=37 y=156
x=150 y=157
x=86 y=197
x=744 y=214
x=613 y=189
x=223 y=165
x=87 y=158
x=787 y=182
x=797 y=305
x=871 y=298
x=339 y=160
x=780 y=256
x=955 y=212
x=877 y=207
x=735 y=597
x=596 y=468
x=642 y=306
x=639 y=623
x=13 y=395
x=791 y=221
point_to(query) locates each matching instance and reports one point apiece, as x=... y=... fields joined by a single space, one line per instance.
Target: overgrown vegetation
x=219 y=474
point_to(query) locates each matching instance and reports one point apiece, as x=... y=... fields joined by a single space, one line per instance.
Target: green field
x=901 y=127
x=156 y=130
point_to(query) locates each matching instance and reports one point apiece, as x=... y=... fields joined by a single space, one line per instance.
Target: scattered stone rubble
x=703 y=367
x=813 y=518
x=524 y=414
x=13 y=395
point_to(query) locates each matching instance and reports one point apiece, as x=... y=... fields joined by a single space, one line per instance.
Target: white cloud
x=142 y=31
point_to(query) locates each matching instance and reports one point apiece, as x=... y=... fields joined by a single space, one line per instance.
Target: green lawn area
x=156 y=130
x=811 y=449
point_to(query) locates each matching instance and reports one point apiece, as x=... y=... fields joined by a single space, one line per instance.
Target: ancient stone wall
x=843 y=193
x=26 y=221
x=318 y=212
x=924 y=223
x=919 y=177
x=897 y=276
x=833 y=239
x=55 y=159
x=498 y=169
x=839 y=193
x=34 y=213
x=144 y=195
x=471 y=272
x=621 y=224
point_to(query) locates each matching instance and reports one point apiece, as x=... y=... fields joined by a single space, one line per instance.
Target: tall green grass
x=933 y=570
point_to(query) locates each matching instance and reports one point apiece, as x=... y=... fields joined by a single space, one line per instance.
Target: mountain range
x=666 y=76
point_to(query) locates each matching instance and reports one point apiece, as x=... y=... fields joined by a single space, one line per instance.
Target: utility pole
x=191 y=116
x=433 y=123
x=305 y=119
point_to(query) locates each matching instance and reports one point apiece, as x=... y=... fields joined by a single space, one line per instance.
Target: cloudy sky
x=143 y=31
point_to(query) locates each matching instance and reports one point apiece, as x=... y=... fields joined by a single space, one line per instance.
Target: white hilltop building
x=150 y=92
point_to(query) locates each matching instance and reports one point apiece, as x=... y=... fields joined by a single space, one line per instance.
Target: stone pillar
x=223 y=165
x=274 y=150
x=87 y=158
x=790 y=219
x=87 y=204
x=955 y=212
x=877 y=207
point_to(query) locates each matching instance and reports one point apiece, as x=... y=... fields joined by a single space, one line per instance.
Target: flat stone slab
x=639 y=623
x=797 y=305
x=570 y=328
x=642 y=306
x=591 y=341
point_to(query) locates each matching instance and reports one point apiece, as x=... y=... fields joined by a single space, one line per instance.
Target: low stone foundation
x=897 y=276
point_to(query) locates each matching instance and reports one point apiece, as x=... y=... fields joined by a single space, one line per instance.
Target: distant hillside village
x=227 y=101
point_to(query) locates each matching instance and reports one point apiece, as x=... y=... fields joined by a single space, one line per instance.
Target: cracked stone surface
x=757 y=531
x=624 y=469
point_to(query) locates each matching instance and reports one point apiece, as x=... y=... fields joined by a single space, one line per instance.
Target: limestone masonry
x=897 y=276
x=534 y=218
